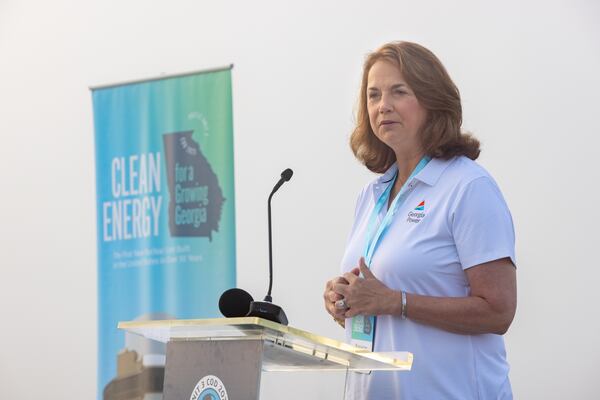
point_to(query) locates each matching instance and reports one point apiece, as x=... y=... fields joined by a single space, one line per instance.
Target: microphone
x=266 y=309
x=285 y=176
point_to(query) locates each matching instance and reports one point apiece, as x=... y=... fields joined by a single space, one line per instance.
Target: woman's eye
x=372 y=95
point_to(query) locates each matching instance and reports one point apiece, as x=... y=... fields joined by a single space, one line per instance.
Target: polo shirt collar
x=433 y=170
x=428 y=175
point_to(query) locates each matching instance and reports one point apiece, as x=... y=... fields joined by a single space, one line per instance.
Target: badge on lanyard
x=363 y=326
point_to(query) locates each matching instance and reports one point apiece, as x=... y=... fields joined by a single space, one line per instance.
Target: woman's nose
x=384 y=103
x=384 y=106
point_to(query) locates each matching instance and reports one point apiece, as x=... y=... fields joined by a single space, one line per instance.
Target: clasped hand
x=364 y=295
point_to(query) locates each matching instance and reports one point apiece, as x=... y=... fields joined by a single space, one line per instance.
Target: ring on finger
x=341 y=304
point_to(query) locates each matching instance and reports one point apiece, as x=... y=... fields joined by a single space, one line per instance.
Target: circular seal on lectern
x=209 y=387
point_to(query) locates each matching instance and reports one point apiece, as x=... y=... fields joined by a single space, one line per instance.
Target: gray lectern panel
x=213 y=370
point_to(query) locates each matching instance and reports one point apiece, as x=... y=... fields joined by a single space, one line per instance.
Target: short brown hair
x=441 y=136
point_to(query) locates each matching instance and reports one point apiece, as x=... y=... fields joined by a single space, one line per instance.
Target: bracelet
x=403 y=309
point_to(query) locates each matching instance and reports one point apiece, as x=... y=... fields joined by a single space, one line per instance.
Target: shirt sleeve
x=482 y=225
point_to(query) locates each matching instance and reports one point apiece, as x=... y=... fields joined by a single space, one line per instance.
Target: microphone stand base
x=266 y=310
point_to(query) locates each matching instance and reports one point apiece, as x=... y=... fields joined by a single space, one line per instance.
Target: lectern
x=223 y=358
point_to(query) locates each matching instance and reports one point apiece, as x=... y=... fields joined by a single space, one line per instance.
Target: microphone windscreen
x=287 y=174
x=235 y=302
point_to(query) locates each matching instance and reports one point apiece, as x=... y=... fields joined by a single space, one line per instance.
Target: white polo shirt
x=454 y=217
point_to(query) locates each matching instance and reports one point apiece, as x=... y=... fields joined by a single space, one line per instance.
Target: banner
x=166 y=216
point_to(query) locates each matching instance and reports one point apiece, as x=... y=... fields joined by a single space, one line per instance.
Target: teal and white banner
x=166 y=216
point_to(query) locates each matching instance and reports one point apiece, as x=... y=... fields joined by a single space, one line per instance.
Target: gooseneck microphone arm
x=285 y=176
x=268 y=296
x=238 y=303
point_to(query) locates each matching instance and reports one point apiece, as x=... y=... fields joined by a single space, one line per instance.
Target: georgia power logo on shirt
x=417 y=214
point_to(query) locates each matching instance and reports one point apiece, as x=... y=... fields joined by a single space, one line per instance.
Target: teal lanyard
x=374 y=239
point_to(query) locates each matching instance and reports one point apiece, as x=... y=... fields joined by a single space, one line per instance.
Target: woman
x=431 y=251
